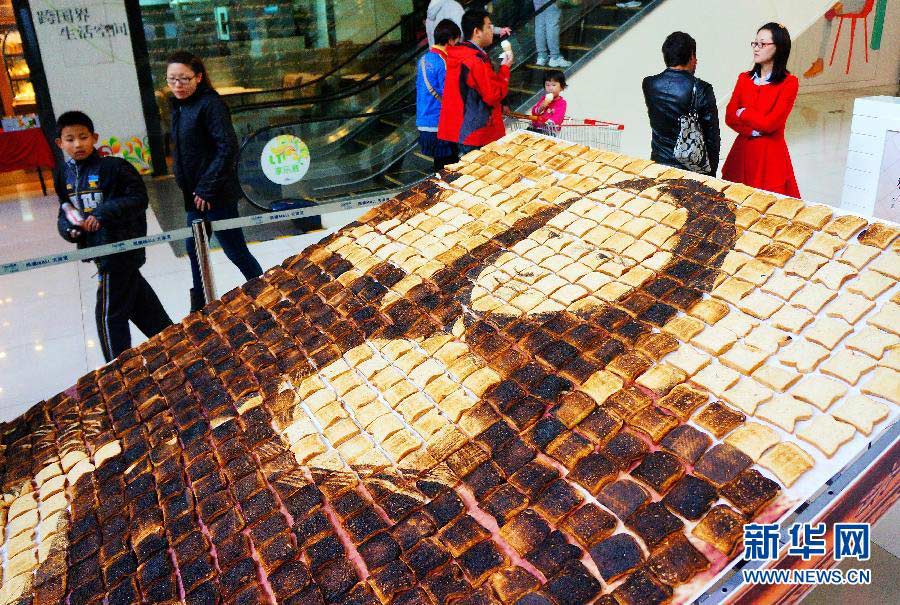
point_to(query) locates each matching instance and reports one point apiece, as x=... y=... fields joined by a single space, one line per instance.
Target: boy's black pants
x=123 y=296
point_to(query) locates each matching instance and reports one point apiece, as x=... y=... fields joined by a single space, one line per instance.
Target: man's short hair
x=678 y=49
x=73 y=118
x=445 y=31
x=473 y=19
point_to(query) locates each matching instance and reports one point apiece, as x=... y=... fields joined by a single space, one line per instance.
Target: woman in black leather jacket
x=668 y=97
x=205 y=162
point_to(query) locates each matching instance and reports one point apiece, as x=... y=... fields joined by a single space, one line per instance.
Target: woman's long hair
x=195 y=63
x=782 y=40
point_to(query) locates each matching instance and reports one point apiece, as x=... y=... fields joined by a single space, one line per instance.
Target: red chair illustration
x=861 y=14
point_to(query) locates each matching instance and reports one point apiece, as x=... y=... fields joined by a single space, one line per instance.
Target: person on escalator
x=205 y=163
x=430 y=75
x=471 y=112
x=546 y=34
x=438 y=10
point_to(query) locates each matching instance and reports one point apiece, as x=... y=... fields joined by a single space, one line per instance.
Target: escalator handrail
x=366 y=83
x=344 y=64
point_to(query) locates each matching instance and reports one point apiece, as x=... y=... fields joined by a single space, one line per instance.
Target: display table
x=25 y=150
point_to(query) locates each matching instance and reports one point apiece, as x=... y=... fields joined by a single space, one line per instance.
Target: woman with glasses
x=759 y=108
x=205 y=162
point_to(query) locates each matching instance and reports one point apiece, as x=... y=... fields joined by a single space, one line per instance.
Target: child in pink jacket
x=548 y=114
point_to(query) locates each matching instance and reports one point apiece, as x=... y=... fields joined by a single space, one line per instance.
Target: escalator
x=361 y=140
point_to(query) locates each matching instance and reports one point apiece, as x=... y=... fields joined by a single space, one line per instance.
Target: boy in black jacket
x=104 y=200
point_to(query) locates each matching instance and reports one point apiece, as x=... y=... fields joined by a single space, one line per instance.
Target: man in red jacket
x=471 y=109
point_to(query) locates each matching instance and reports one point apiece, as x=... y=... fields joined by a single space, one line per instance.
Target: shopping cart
x=593 y=133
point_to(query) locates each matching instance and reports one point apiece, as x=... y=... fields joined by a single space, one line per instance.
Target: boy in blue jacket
x=103 y=200
x=430 y=75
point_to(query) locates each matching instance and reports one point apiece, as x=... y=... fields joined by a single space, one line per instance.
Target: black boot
x=197 y=299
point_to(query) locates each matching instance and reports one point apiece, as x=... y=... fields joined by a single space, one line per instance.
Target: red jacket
x=473 y=91
x=761 y=161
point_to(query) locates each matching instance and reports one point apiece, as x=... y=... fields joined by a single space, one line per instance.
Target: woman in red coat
x=758 y=110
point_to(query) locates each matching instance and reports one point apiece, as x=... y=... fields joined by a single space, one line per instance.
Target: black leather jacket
x=668 y=97
x=110 y=189
x=206 y=148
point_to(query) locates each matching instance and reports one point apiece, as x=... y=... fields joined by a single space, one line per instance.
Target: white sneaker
x=541 y=61
x=560 y=62
x=632 y=4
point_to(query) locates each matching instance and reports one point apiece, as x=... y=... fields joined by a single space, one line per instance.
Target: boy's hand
x=201 y=204
x=91 y=224
x=507 y=59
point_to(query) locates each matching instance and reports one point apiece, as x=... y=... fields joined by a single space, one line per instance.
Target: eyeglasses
x=760 y=44
x=183 y=80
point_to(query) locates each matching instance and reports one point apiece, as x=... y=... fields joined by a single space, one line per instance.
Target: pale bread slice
x=688 y=359
x=818 y=390
x=862 y=412
x=828 y=331
x=849 y=307
x=848 y=365
x=888 y=263
x=738 y=322
x=753 y=439
x=803 y=355
x=833 y=275
x=813 y=297
x=767 y=338
x=775 y=377
x=887 y=318
x=715 y=378
x=784 y=411
x=826 y=433
x=825 y=244
x=747 y=394
x=792 y=319
x=857 y=255
x=885 y=383
x=714 y=340
x=782 y=285
x=872 y=341
x=744 y=358
x=870 y=284
x=760 y=305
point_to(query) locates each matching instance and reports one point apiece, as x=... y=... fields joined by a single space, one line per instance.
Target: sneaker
x=560 y=62
x=632 y=4
x=541 y=60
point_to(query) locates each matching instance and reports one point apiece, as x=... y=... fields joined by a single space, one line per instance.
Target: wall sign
x=285 y=159
x=86 y=49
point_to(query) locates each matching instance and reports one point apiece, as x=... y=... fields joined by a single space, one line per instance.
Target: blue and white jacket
x=433 y=67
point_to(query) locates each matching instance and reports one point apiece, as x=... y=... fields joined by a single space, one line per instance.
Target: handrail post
x=201 y=243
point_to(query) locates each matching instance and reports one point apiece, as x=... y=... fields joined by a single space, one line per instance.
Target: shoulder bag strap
x=428 y=85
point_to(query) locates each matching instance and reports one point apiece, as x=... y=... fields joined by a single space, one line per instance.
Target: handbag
x=690 y=147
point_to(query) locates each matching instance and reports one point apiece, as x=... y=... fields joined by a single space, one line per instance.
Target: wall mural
x=136 y=150
x=867 y=13
x=555 y=372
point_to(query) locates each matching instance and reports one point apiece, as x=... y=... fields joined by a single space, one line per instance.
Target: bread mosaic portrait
x=552 y=375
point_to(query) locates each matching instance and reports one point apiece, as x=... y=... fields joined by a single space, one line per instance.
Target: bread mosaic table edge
x=555 y=376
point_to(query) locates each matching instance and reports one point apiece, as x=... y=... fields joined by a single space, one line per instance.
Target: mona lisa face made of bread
x=455 y=399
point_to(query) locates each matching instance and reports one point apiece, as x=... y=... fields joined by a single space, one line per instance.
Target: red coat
x=762 y=161
x=473 y=91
